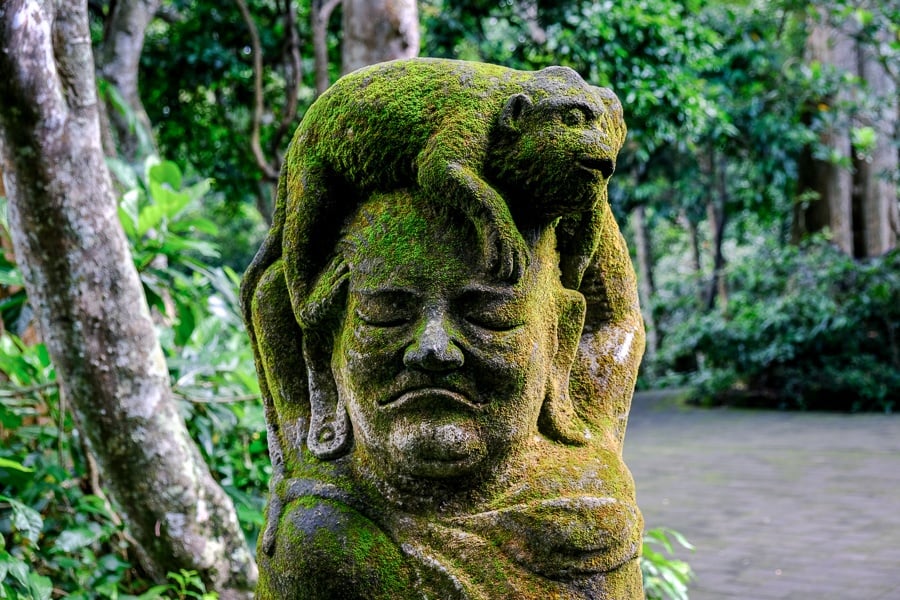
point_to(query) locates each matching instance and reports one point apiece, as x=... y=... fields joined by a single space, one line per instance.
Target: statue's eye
x=491 y=310
x=574 y=117
x=493 y=321
x=383 y=316
x=384 y=310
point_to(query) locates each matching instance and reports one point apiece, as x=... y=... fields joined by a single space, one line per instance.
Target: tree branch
x=321 y=13
x=294 y=68
x=256 y=47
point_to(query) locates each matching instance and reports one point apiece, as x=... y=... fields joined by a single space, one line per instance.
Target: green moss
x=424 y=146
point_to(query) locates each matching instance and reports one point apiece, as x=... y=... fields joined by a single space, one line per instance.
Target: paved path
x=780 y=505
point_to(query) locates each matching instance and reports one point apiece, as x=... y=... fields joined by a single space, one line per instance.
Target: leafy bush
x=58 y=533
x=805 y=327
x=664 y=578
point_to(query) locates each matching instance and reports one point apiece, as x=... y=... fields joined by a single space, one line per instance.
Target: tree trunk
x=378 y=30
x=118 y=60
x=829 y=180
x=86 y=292
x=647 y=285
x=855 y=197
x=694 y=236
x=716 y=213
x=876 y=189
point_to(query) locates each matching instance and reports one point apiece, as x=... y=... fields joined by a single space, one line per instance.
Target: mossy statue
x=493 y=142
x=447 y=350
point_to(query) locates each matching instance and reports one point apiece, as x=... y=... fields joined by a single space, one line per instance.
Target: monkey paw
x=508 y=256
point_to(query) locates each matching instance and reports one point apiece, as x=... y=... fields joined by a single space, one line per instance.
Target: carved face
x=442 y=370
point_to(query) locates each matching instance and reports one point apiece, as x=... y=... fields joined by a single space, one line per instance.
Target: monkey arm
x=613 y=340
x=443 y=175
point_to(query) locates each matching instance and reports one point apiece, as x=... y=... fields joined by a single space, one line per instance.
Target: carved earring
x=329 y=426
x=558 y=419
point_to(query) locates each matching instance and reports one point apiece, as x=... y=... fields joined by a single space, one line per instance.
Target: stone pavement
x=801 y=506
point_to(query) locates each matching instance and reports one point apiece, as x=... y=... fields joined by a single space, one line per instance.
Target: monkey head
x=554 y=156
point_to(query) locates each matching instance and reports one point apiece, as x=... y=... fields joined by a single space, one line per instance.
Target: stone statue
x=447 y=349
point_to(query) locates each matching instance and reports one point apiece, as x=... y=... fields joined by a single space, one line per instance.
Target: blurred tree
x=321 y=13
x=126 y=124
x=852 y=174
x=89 y=300
x=378 y=30
x=225 y=85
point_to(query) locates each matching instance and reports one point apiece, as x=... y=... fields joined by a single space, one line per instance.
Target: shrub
x=58 y=533
x=805 y=327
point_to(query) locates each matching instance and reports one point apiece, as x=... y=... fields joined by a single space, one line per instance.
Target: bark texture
x=86 y=292
x=378 y=30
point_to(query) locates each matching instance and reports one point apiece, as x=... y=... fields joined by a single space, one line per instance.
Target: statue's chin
x=437 y=449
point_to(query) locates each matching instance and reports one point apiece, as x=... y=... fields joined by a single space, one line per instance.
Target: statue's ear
x=329 y=427
x=558 y=419
x=516 y=106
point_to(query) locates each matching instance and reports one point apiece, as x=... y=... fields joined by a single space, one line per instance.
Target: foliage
x=53 y=526
x=805 y=327
x=55 y=523
x=198 y=69
x=653 y=53
x=665 y=578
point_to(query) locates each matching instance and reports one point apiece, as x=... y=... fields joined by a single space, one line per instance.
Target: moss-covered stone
x=441 y=428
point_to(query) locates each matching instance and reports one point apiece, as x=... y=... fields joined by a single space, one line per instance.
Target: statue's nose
x=433 y=348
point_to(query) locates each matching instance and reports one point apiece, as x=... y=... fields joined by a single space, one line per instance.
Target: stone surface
x=447 y=345
x=779 y=505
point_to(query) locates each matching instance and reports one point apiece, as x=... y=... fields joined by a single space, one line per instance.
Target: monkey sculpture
x=501 y=145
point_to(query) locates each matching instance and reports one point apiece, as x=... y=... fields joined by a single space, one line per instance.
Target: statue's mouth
x=436 y=397
x=602 y=166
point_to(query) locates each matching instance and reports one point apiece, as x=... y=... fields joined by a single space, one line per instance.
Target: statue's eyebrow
x=386 y=292
x=500 y=293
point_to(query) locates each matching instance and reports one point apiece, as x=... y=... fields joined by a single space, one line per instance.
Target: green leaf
x=122 y=171
x=25 y=519
x=129 y=212
x=194 y=224
x=864 y=139
x=156 y=591
x=166 y=172
x=10 y=277
x=150 y=218
x=864 y=17
x=15 y=567
x=171 y=201
x=174 y=245
x=199 y=189
x=71 y=540
x=39 y=587
x=5 y=463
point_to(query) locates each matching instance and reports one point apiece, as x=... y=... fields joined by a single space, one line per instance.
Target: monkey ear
x=516 y=106
x=329 y=426
x=558 y=419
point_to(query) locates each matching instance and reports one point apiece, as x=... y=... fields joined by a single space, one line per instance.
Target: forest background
x=757 y=190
